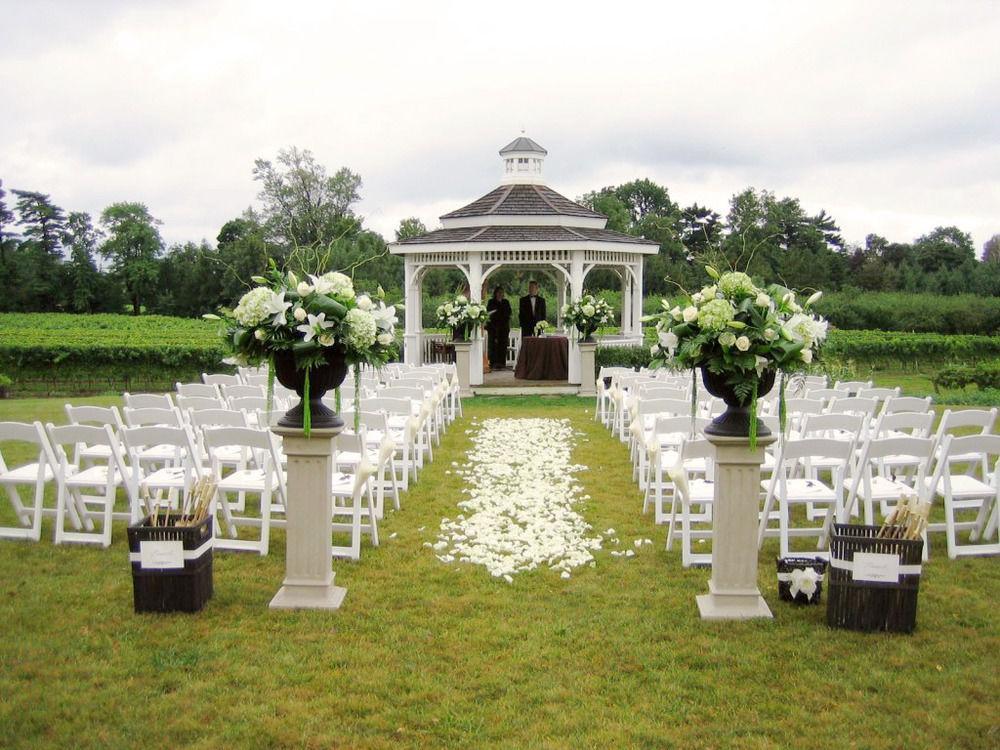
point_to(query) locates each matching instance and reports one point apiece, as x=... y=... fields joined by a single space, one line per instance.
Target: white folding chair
x=877 y=478
x=198 y=403
x=76 y=484
x=380 y=452
x=852 y=387
x=663 y=454
x=963 y=494
x=964 y=419
x=692 y=491
x=239 y=391
x=34 y=474
x=221 y=379
x=908 y=403
x=95 y=416
x=148 y=400
x=260 y=474
x=788 y=490
x=353 y=497
x=864 y=407
x=174 y=474
x=202 y=390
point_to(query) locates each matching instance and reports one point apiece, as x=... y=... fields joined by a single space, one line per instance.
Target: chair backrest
x=801 y=406
x=853 y=386
x=824 y=424
x=418 y=394
x=250 y=403
x=908 y=403
x=915 y=424
x=197 y=389
x=372 y=420
x=220 y=379
x=680 y=425
x=985 y=419
x=148 y=400
x=660 y=390
x=987 y=447
x=824 y=394
x=239 y=391
x=203 y=418
x=401 y=406
x=853 y=405
x=145 y=417
x=26 y=432
x=262 y=442
x=793 y=451
x=879 y=394
x=671 y=406
x=198 y=403
x=258 y=379
x=82 y=434
x=95 y=415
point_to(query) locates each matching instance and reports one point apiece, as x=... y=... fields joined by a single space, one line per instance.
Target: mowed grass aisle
x=425 y=654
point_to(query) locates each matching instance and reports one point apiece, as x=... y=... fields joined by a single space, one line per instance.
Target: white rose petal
x=690 y=314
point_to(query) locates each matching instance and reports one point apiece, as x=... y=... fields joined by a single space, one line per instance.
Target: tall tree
x=411 y=227
x=133 y=245
x=242 y=254
x=84 y=279
x=44 y=222
x=302 y=205
x=991 y=249
x=6 y=223
x=944 y=248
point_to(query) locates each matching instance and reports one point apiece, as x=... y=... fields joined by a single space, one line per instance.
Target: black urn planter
x=321 y=379
x=460 y=333
x=735 y=420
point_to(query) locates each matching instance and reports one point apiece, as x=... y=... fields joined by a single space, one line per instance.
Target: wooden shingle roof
x=523 y=200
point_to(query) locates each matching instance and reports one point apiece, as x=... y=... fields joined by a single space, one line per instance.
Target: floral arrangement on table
x=740 y=335
x=588 y=314
x=304 y=327
x=542 y=327
x=462 y=316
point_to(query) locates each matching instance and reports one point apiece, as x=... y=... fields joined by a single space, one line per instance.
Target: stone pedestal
x=463 y=363
x=587 y=377
x=308 y=580
x=732 y=590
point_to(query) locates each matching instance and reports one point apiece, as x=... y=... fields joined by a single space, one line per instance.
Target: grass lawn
x=425 y=654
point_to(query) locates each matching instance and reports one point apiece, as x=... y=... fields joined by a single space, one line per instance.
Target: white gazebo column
x=626 y=326
x=411 y=335
x=575 y=293
x=475 y=274
x=560 y=299
x=637 y=300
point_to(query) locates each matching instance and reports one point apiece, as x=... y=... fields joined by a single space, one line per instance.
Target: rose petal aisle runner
x=522 y=492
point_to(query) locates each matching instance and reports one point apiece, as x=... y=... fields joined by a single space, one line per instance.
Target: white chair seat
x=701 y=491
x=169 y=478
x=245 y=480
x=668 y=460
x=98 y=452
x=806 y=491
x=968 y=488
x=25 y=474
x=883 y=488
x=158 y=453
x=95 y=476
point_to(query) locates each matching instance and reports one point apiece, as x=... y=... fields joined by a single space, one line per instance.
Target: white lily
x=314 y=327
x=277 y=307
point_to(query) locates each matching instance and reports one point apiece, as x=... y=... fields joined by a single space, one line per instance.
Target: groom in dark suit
x=531 y=310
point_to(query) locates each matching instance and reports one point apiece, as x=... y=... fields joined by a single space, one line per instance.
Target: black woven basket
x=887 y=605
x=786 y=565
x=158 y=584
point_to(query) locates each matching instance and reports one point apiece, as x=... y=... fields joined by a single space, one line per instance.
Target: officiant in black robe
x=498 y=329
x=531 y=310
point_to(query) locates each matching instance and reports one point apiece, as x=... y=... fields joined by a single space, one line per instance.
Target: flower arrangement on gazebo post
x=740 y=336
x=309 y=332
x=588 y=314
x=463 y=317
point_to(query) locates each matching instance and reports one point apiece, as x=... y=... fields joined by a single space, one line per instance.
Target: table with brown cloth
x=543 y=358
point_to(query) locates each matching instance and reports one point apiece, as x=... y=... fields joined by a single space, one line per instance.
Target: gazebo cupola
x=522 y=162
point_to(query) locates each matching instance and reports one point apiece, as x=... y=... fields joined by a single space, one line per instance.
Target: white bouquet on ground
x=588 y=314
x=462 y=316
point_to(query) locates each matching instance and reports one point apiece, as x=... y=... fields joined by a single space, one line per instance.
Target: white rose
x=690 y=314
x=589 y=310
x=668 y=340
x=743 y=343
x=807 y=355
x=676 y=313
x=259 y=334
x=299 y=314
x=326 y=340
x=461 y=299
x=770 y=334
x=385 y=339
x=304 y=289
x=727 y=338
x=763 y=300
x=697 y=298
x=473 y=311
x=365 y=302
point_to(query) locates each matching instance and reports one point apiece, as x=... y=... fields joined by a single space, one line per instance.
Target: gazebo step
x=526 y=390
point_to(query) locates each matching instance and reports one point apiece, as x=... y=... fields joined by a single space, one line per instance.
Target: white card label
x=876 y=567
x=162 y=554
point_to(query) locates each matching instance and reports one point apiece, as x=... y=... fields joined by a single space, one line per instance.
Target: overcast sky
x=885 y=114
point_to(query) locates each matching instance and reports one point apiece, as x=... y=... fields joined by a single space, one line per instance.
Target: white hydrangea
x=253 y=307
x=806 y=329
x=361 y=329
x=339 y=285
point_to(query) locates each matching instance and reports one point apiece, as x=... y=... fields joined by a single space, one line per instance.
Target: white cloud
x=882 y=114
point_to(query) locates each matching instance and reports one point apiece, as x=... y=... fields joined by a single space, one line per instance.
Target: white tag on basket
x=876 y=566
x=161 y=554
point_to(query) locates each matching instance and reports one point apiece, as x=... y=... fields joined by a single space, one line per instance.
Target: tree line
x=54 y=260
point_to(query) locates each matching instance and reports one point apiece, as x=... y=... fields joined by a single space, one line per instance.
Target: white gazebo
x=526 y=224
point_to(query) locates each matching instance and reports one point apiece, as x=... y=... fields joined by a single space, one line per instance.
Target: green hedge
x=985 y=375
x=878 y=349
x=56 y=353
x=918 y=313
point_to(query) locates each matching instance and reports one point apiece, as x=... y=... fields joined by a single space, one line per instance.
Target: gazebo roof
x=522 y=144
x=523 y=200
x=523 y=233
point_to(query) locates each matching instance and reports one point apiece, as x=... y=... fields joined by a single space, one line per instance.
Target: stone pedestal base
x=308 y=580
x=732 y=590
x=463 y=363
x=587 y=377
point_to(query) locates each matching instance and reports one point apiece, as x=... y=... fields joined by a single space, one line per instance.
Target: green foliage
x=62 y=349
x=133 y=245
x=984 y=375
x=920 y=313
x=908 y=350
